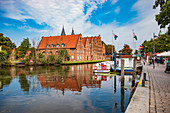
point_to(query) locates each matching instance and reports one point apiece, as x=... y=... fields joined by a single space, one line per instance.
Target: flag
x=134 y=36
x=160 y=33
x=141 y=46
x=115 y=36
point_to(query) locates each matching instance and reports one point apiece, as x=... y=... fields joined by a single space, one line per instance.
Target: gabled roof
x=92 y=38
x=70 y=41
x=84 y=41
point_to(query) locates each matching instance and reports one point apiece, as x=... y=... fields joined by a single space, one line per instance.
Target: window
x=78 y=57
x=50 y=52
x=52 y=45
x=57 y=45
x=72 y=51
x=47 y=45
x=43 y=52
x=72 y=56
x=62 y=45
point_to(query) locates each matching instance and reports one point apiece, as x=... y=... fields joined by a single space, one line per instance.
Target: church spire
x=72 y=33
x=63 y=32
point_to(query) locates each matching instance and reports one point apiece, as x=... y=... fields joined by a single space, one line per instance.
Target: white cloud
x=28 y=28
x=117 y=10
x=7 y=24
x=114 y=1
x=70 y=13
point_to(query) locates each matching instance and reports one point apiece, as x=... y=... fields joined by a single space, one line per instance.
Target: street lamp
x=154 y=36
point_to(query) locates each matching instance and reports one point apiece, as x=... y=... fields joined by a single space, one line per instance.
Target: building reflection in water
x=78 y=79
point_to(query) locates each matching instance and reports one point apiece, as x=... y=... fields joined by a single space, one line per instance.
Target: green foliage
x=32 y=54
x=3 y=57
x=108 y=49
x=40 y=55
x=59 y=60
x=43 y=61
x=163 y=18
x=162 y=44
x=51 y=58
x=126 y=49
x=6 y=44
x=64 y=55
x=23 y=48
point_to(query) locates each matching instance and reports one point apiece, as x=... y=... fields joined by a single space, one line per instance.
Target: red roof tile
x=70 y=41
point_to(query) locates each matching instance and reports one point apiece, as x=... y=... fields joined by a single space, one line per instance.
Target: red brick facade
x=79 y=48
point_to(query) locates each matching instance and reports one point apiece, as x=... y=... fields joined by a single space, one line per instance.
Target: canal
x=62 y=89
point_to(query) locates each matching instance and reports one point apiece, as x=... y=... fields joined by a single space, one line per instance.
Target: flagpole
x=134 y=41
x=112 y=47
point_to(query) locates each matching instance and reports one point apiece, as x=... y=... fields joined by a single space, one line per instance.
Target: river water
x=62 y=89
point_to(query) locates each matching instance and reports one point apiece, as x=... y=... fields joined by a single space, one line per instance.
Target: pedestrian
x=161 y=60
x=166 y=62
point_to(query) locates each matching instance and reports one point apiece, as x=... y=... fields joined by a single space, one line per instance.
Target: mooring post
x=134 y=72
x=144 y=76
x=114 y=61
x=0 y=84
x=122 y=72
x=143 y=83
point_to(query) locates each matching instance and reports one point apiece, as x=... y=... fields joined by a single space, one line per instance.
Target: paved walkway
x=160 y=89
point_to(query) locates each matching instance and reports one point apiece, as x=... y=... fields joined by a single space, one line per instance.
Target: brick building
x=79 y=48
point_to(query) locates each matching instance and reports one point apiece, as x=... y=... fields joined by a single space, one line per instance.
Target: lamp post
x=154 y=36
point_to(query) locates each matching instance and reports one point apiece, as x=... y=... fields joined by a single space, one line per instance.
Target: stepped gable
x=92 y=38
x=70 y=41
x=84 y=41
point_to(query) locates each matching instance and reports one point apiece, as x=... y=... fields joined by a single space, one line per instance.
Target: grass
x=82 y=62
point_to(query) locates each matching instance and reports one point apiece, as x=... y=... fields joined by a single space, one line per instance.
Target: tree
x=162 y=44
x=126 y=49
x=108 y=49
x=163 y=18
x=6 y=44
x=23 y=48
x=64 y=55
x=3 y=57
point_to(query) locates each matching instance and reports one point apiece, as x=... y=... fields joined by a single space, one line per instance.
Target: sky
x=33 y=19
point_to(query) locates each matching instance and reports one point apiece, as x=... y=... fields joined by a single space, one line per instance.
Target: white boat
x=102 y=67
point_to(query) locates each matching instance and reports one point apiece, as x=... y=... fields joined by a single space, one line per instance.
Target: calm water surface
x=62 y=89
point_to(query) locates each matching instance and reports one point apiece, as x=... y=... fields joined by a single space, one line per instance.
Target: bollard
x=144 y=76
x=122 y=72
x=143 y=83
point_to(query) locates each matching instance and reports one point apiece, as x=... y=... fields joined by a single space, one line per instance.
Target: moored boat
x=102 y=67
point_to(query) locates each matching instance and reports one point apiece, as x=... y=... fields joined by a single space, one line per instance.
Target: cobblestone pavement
x=160 y=89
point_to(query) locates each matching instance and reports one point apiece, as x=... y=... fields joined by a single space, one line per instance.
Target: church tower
x=72 y=33
x=63 y=32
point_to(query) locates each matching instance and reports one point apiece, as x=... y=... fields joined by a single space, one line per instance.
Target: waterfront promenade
x=160 y=89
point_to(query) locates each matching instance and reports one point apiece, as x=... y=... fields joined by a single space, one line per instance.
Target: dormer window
x=52 y=45
x=62 y=45
x=47 y=45
x=57 y=45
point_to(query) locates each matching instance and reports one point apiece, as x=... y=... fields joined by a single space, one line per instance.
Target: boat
x=128 y=65
x=102 y=67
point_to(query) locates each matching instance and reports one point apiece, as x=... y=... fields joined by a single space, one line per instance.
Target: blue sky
x=20 y=19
